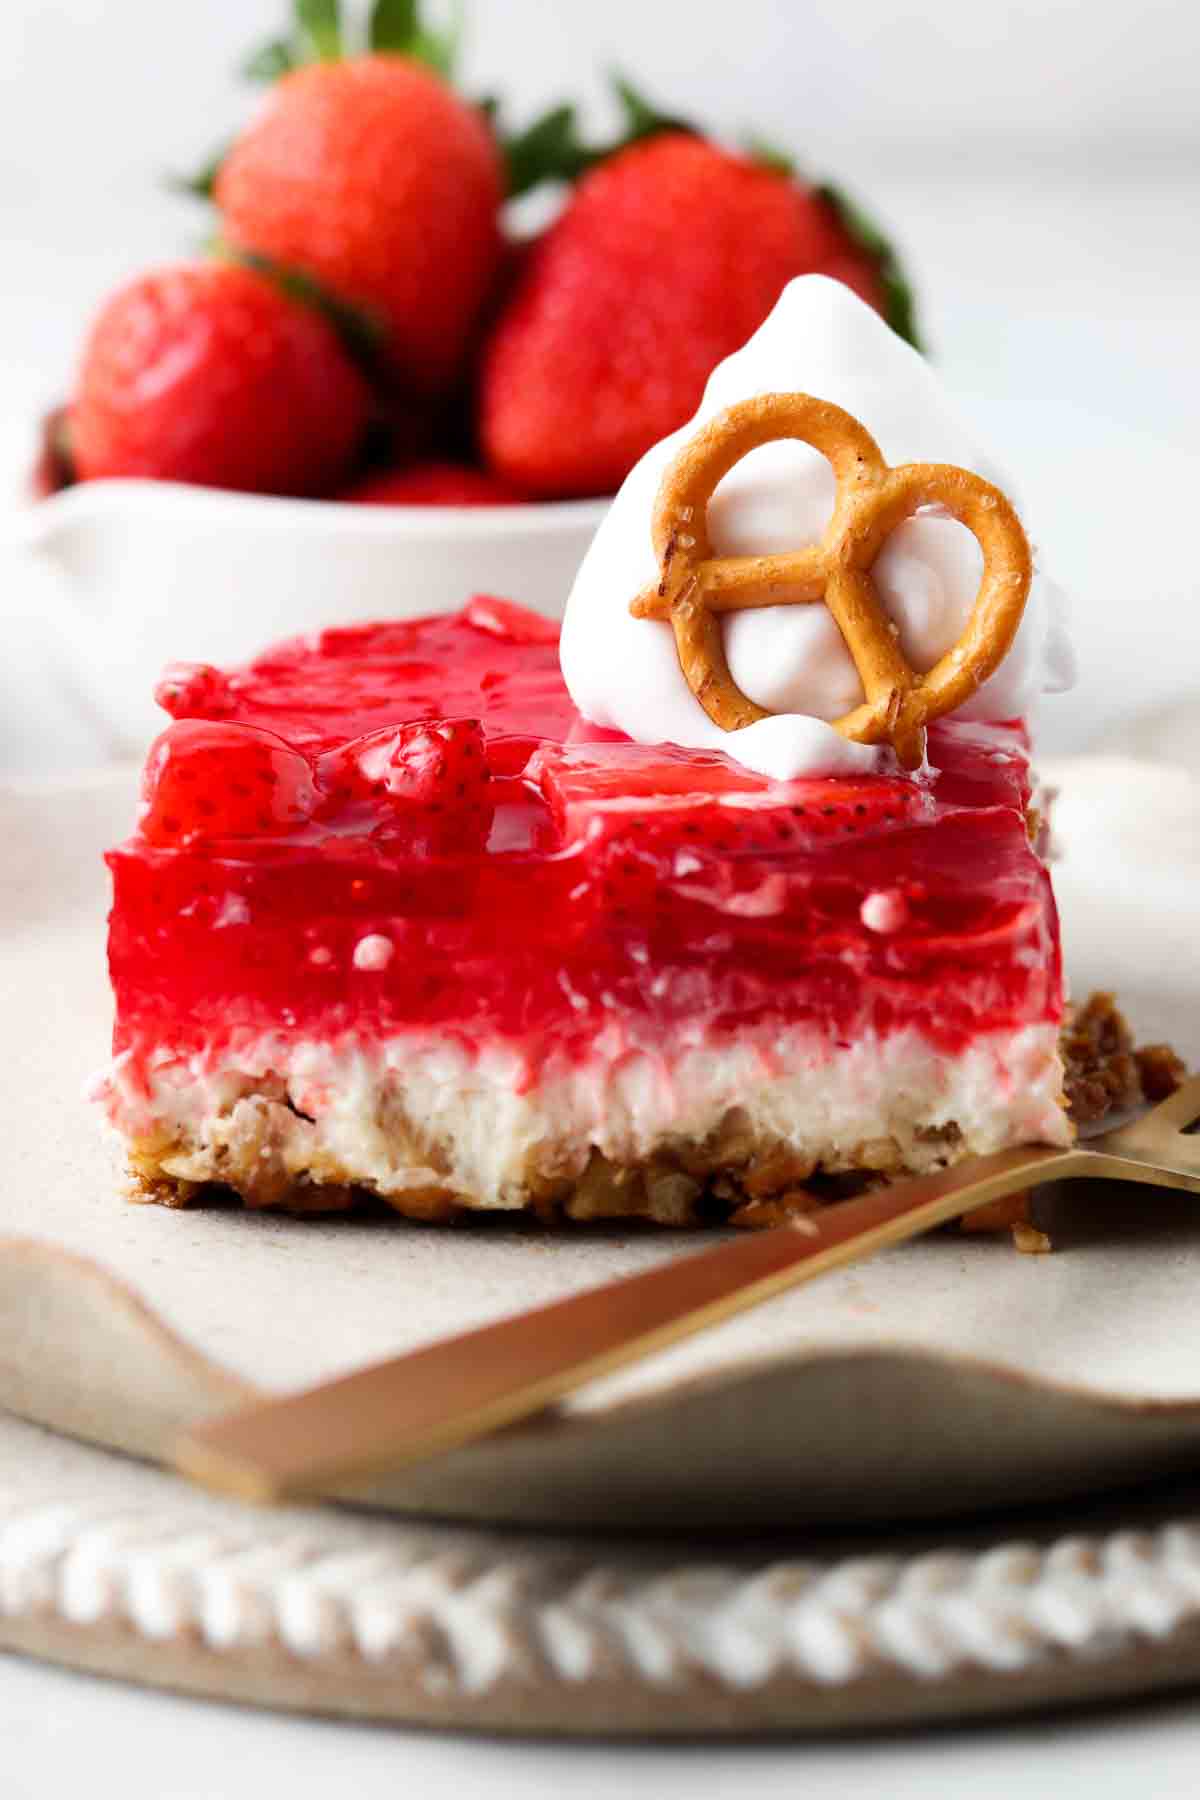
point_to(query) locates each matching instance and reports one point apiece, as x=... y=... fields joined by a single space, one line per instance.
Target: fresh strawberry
x=208 y=373
x=375 y=180
x=668 y=257
x=206 y=780
x=433 y=484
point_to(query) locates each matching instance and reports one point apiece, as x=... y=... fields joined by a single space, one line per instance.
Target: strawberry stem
x=395 y=27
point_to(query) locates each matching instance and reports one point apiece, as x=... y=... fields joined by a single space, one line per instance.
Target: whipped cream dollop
x=624 y=673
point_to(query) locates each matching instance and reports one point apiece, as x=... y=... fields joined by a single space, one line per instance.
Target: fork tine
x=1180 y=1109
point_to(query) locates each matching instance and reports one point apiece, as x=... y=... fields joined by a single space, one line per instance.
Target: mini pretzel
x=872 y=499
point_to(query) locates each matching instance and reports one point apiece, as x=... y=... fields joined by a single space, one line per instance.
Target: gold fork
x=410 y=1408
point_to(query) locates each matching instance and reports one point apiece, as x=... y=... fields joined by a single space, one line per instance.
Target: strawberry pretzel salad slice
x=733 y=899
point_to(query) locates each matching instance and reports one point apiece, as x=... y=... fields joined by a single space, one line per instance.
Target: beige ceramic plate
x=950 y=1374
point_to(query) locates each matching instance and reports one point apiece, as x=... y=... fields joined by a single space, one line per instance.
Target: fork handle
x=394 y=1413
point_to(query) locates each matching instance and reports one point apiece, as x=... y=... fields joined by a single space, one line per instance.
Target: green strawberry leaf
x=394 y=25
x=200 y=184
x=440 y=50
x=436 y=50
x=548 y=150
x=551 y=149
x=362 y=334
x=769 y=156
x=270 y=61
x=899 y=302
x=319 y=29
x=642 y=118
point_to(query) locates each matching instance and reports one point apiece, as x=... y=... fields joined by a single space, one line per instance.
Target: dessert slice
x=746 y=891
x=395 y=920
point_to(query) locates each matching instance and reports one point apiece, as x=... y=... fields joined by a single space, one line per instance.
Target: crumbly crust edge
x=730 y=1177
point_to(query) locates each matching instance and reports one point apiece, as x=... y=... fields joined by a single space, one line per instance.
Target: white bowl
x=155 y=572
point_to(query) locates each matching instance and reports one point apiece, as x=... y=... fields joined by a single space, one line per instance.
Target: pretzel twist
x=695 y=587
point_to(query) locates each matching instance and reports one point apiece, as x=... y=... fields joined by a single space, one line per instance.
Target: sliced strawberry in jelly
x=702 y=800
x=589 y=775
x=426 y=783
x=625 y=882
x=439 y=764
x=194 y=691
x=206 y=780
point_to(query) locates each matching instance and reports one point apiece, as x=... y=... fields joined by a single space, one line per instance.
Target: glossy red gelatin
x=407 y=826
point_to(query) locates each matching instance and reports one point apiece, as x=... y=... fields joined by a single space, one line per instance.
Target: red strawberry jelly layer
x=536 y=880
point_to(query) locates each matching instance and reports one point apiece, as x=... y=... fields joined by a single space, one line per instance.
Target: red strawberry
x=668 y=257
x=433 y=484
x=206 y=780
x=208 y=373
x=377 y=181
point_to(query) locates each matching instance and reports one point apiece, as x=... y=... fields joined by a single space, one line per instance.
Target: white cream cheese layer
x=415 y=1111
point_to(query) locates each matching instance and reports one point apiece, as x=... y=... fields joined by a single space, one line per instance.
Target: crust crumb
x=1101 y=1069
x=1161 y=1069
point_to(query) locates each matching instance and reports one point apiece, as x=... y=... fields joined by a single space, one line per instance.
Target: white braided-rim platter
x=948 y=1376
x=112 y=1566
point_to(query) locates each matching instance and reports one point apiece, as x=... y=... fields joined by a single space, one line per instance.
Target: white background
x=100 y=98
x=1041 y=163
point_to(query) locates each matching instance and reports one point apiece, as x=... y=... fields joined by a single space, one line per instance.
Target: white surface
x=66 y=1734
x=862 y=81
